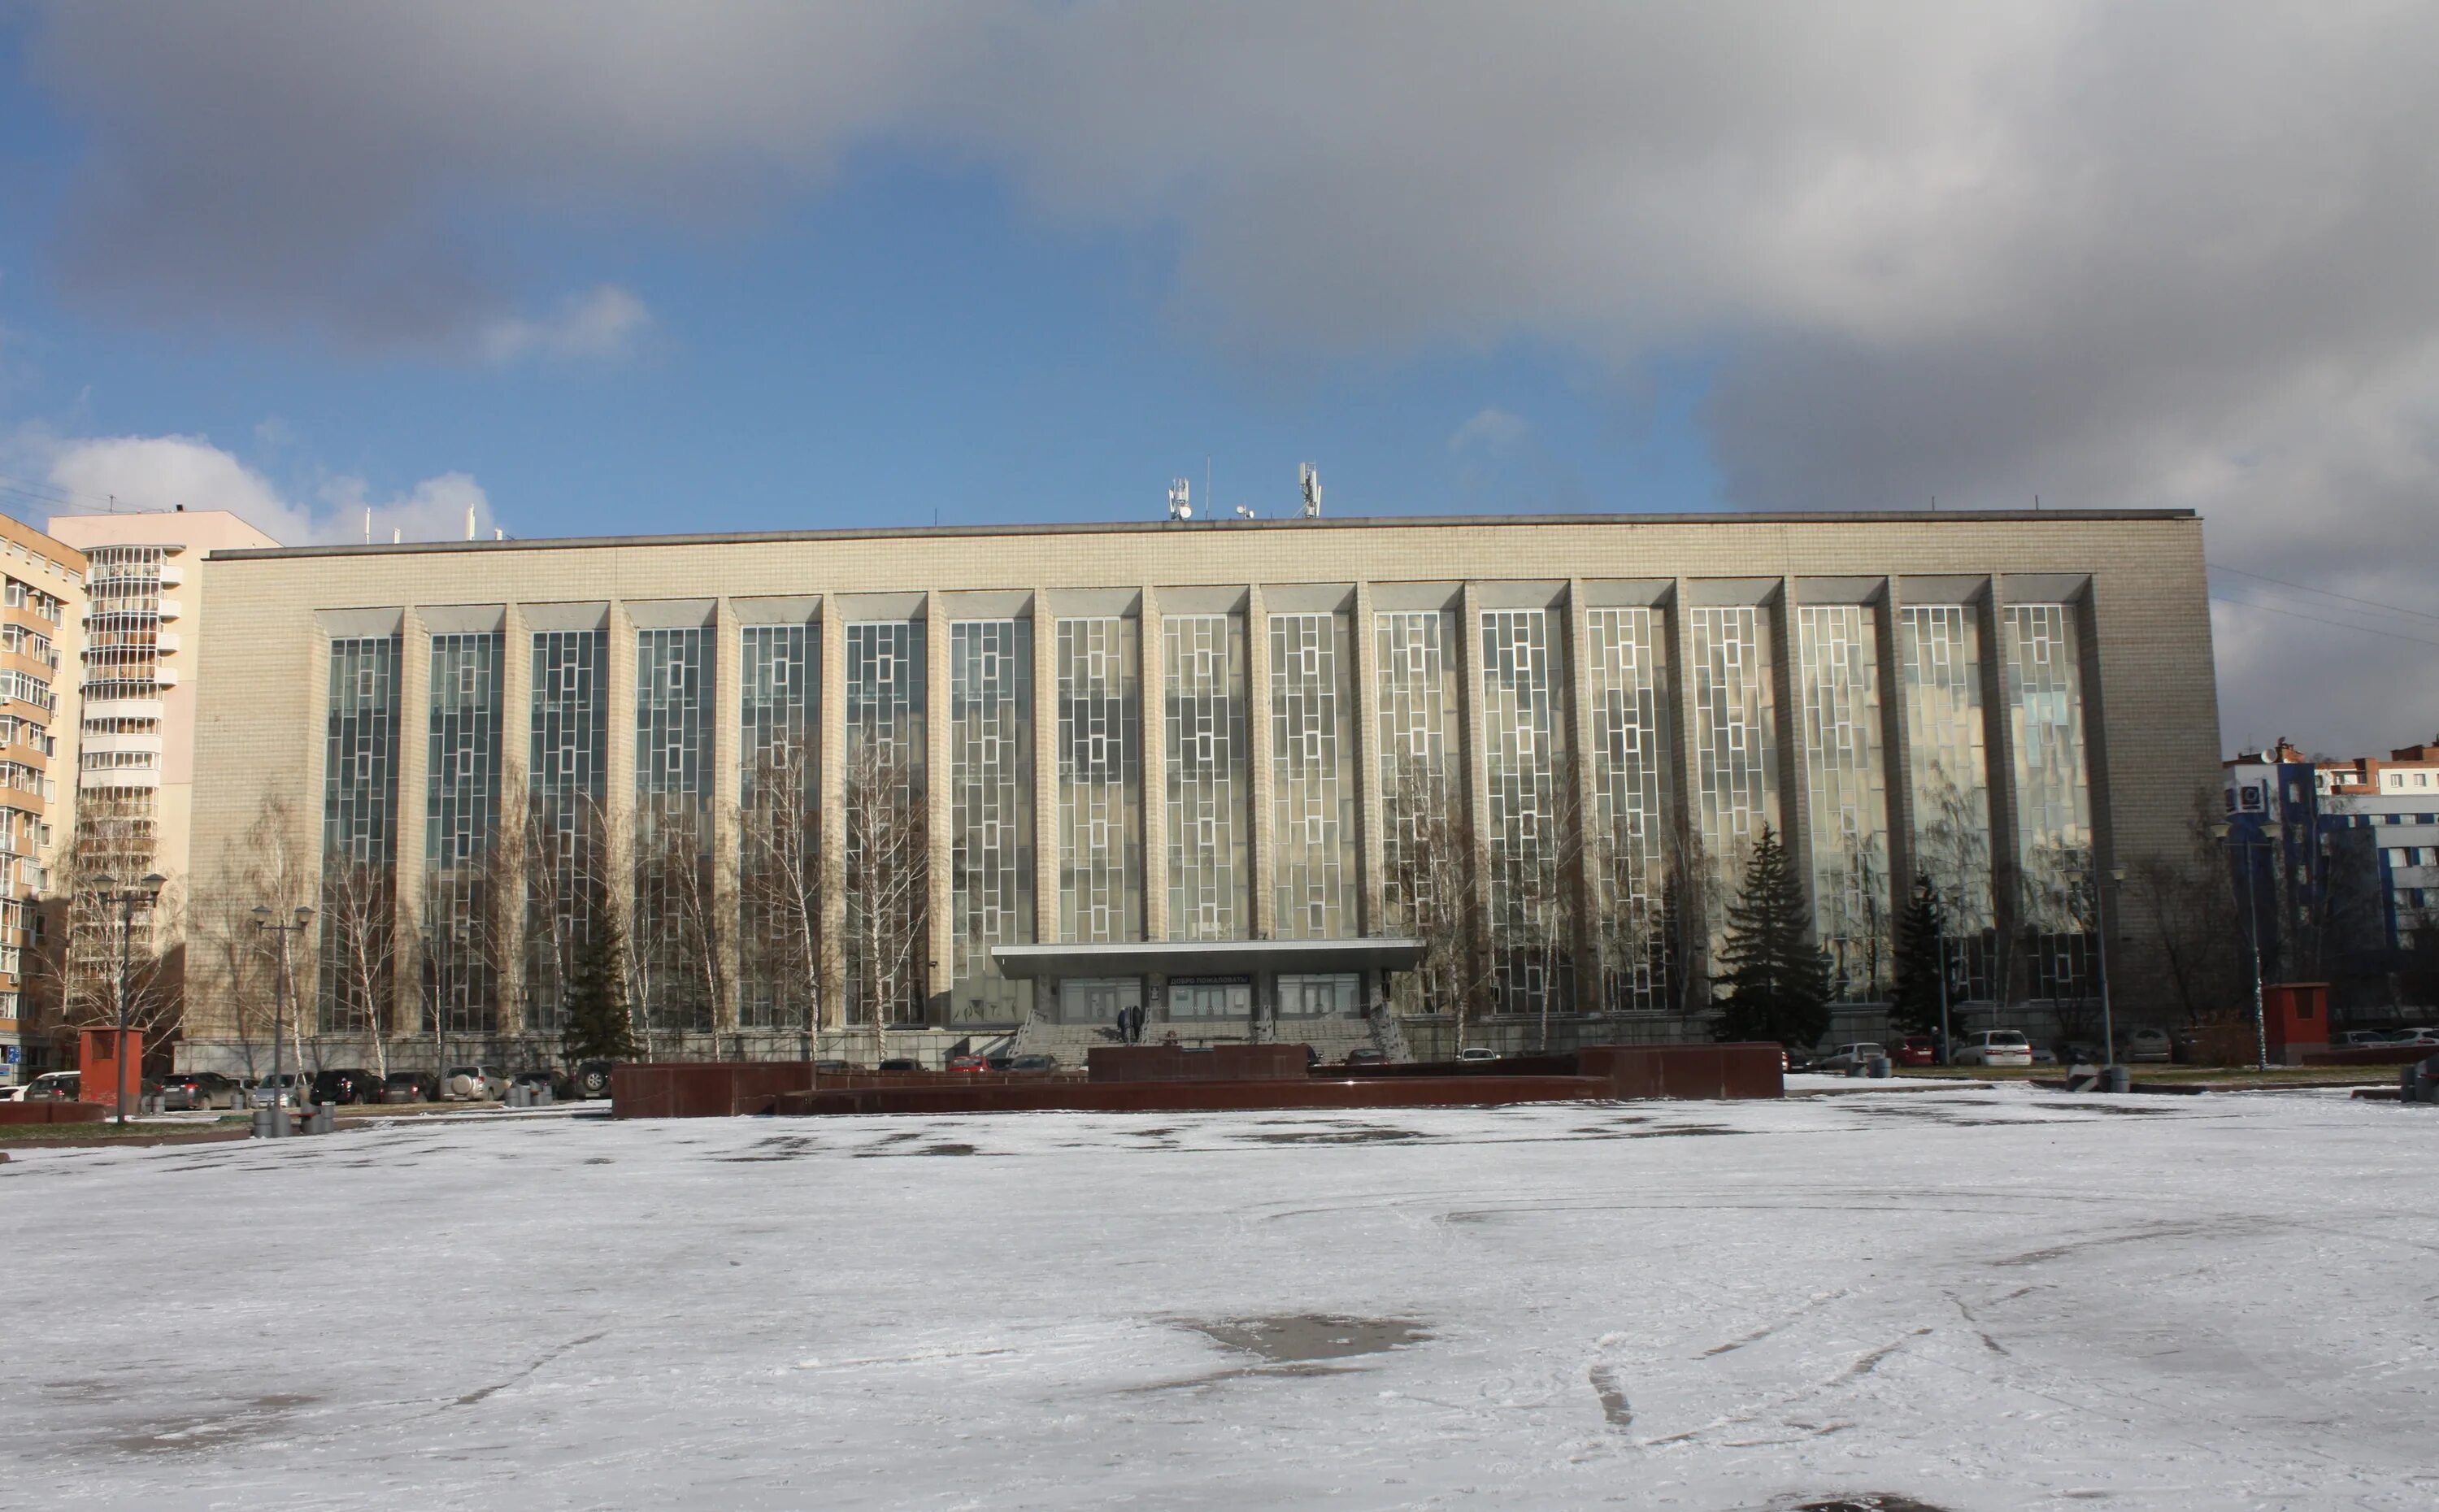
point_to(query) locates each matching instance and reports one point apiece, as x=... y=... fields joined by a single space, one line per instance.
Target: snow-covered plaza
x=1975 y=1297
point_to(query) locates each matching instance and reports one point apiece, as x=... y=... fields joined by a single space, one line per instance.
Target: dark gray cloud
x=2176 y=253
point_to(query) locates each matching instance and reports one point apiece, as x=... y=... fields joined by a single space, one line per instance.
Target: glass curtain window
x=2052 y=795
x=888 y=830
x=1313 y=789
x=464 y=853
x=1627 y=842
x=1846 y=783
x=990 y=775
x=1100 y=781
x=1735 y=747
x=1939 y=656
x=567 y=776
x=1425 y=855
x=779 y=850
x=1209 y=816
x=679 y=976
x=359 y=910
x=1528 y=813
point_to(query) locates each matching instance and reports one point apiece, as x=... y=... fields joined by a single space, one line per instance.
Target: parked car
x=2412 y=1037
x=832 y=1067
x=1367 y=1056
x=900 y=1063
x=54 y=1086
x=12 y=1091
x=2357 y=1038
x=1033 y=1061
x=473 y=1084
x=592 y=1077
x=2044 y=1056
x=561 y=1086
x=1993 y=1047
x=345 y=1084
x=1475 y=1055
x=410 y=1086
x=967 y=1063
x=196 y=1091
x=1917 y=1050
x=269 y=1092
x=1847 y=1057
x=2145 y=1045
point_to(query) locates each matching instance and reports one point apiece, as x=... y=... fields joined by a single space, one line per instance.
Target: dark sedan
x=349 y=1084
x=196 y=1091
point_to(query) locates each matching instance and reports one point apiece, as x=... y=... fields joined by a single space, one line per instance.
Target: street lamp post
x=2271 y=833
x=147 y=892
x=262 y=920
x=2101 y=884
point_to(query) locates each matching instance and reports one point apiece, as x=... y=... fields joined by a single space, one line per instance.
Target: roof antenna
x=1309 y=477
x=469 y=522
x=1180 y=501
x=396 y=535
x=368 y=525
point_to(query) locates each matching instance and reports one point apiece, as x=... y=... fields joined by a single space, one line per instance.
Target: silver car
x=473 y=1084
x=1847 y=1057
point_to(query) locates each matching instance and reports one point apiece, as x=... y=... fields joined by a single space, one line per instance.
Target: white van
x=1993 y=1047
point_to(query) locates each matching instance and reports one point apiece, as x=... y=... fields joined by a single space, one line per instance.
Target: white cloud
x=1489 y=428
x=603 y=323
x=166 y=472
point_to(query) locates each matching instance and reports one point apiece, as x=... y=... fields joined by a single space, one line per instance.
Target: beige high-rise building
x=1410 y=782
x=40 y=622
x=133 y=741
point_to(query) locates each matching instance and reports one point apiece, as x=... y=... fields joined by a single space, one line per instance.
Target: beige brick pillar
x=939 y=794
x=407 y=869
x=516 y=787
x=727 y=791
x=1153 y=660
x=1372 y=913
x=1262 y=780
x=832 y=715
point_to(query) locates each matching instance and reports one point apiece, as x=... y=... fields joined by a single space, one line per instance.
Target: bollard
x=541 y=1097
x=1878 y=1066
x=326 y=1118
x=519 y=1096
x=2116 y=1079
x=266 y=1123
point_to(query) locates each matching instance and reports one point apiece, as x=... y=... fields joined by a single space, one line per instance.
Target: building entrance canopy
x=1175 y=958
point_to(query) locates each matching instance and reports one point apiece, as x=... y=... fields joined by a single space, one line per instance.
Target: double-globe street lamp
x=147 y=892
x=262 y=920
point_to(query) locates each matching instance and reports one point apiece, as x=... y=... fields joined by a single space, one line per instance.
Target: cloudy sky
x=603 y=267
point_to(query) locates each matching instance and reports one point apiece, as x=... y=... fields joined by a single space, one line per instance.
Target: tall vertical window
x=780 y=851
x=566 y=778
x=991 y=776
x=464 y=852
x=1626 y=845
x=1313 y=784
x=1100 y=781
x=679 y=975
x=359 y=922
x=1846 y=784
x=1528 y=814
x=1735 y=747
x=2052 y=795
x=1426 y=854
x=1939 y=656
x=1209 y=823
x=888 y=839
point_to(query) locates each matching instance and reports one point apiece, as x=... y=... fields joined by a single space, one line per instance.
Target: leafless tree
x=678 y=937
x=779 y=892
x=2197 y=956
x=888 y=884
x=232 y=963
x=359 y=928
x=1536 y=897
x=1427 y=860
x=470 y=918
x=570 y=852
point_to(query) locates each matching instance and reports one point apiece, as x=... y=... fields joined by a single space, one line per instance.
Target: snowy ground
x=1976 y=1296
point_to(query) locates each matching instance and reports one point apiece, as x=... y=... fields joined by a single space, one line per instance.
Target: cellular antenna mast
x=1309 y=477
x=1181 y=500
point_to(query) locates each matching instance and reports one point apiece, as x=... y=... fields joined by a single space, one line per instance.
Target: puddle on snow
x=1304 y=1339
x=1866 y=1501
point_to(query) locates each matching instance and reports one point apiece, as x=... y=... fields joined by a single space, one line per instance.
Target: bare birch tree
x=779 y=893
x=889 y=884
x=677 y=937
x=359 y=927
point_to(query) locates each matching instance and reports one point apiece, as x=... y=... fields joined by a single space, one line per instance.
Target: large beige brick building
x=891 y=791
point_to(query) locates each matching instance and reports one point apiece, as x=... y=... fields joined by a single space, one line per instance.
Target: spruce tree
x=597 y=1026
x=1922 y=956
x=1778 y=984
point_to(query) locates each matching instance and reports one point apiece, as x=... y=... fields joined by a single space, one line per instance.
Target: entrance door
x=1097 y=1000
x=1210 y=999
x=1318 y=997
